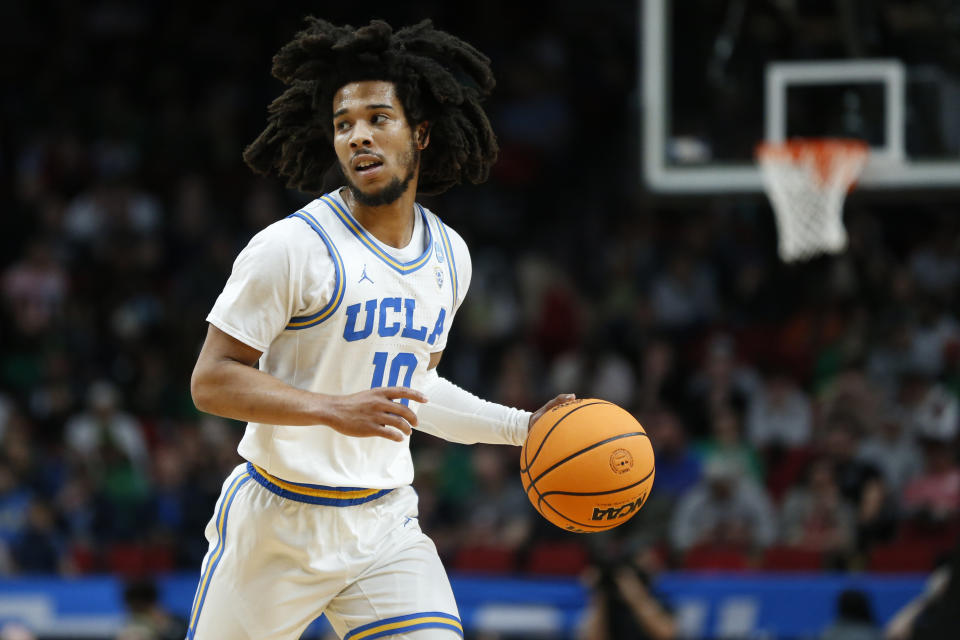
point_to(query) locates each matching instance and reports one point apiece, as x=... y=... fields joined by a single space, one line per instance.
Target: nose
x=360 y=135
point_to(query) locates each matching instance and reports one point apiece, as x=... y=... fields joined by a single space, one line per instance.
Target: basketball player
x=346 y=306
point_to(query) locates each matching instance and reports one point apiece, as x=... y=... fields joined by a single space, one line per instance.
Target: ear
x=423 y=135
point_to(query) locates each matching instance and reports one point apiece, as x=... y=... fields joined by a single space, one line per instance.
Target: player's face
x=378 y=151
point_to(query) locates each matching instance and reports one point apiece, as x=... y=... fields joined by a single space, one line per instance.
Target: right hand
x=373 y=413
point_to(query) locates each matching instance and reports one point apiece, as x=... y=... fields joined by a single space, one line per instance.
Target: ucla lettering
x=408 y=331
x=350 y=332
x=392 y=316
x=622 y=511
x=384 y=331
x=437 y=328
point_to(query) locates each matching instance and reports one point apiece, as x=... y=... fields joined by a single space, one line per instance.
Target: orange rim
x=823 y=151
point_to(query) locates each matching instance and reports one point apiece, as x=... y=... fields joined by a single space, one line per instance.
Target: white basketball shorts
x=283 y=553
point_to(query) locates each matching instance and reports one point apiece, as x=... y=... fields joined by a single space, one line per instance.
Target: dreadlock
x=438 y=78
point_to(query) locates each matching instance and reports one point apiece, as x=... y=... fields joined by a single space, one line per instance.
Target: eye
x=380 y=118
x=343 y=125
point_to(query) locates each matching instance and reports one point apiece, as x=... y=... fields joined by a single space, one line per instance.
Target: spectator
x=892 y=449
x=614 y=380
x=932 y=333
x=779 y=414
x=728 y=442
x=40 y=548
x=860 y=483
x=660 y=382
x=935 y=265
x=850 y=390
x=684 y=294
x=937 y=414
x=678 y=468
x=148 y=620
x=721 y=382
x=112 y=207
x=889 y=357
x=498 y=510
x=35 y=288
x=725 y=509
x=934 y=495
x=815 y=516
x=111 y=446
x=15 y=502
x=103 y=427
x=624 y=603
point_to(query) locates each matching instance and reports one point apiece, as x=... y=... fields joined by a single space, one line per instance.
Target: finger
x=407 y=414
x=560 y=400
x=388 y=433
x=398 y=409
x=394 y=420
x=404 y=392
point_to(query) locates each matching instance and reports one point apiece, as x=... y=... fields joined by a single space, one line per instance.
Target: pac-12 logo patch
x=438 y=274
x=439 y=249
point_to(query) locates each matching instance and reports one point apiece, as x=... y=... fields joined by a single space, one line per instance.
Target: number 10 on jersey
x=404 y=360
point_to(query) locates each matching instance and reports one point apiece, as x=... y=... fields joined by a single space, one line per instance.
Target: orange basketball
x=587 y=466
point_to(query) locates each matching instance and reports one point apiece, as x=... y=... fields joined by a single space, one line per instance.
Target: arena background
x=825 y=392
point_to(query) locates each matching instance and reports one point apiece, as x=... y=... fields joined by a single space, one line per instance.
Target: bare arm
x=594 y=626
x=657 y=622
x=900 y=626
x=226 y=382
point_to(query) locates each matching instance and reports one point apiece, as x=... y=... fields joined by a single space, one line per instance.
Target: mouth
x=366 y=164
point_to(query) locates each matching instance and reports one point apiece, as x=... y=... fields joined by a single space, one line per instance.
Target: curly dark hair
x=439 y=78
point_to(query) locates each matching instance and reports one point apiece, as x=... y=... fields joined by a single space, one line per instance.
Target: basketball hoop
x=807 y=181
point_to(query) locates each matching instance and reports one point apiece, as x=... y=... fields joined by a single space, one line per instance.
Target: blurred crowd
x=810 y=409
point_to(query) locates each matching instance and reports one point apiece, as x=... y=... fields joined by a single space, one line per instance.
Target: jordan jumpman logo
x=364 y=276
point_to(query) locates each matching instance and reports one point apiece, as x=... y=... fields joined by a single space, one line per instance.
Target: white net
x=807 y=181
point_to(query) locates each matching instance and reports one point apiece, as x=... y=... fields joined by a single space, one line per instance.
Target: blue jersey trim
x=361 y=234
x=215 y=556
x=451 y=261
x=339 y=285
x=315 y=493
x=402 y=624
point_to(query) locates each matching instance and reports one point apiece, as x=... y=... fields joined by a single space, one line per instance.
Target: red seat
x=940 y=536
x=134 y=560
x=485 y=559
x=557 y=558
x=129 y=560
x=786 y=558
x=160 y=558
x=84 y=559
x=901 y=557
x=714 y=557
x=784 y=470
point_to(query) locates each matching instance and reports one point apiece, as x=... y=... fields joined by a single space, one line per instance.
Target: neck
x=391 y=224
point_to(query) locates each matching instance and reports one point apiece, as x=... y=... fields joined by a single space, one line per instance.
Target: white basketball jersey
x=334 y=312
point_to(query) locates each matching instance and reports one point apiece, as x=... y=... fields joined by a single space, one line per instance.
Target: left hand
x=563 y=398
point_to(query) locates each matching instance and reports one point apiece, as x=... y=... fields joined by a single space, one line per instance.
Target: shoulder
x=286 y=232
x=293 y=238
